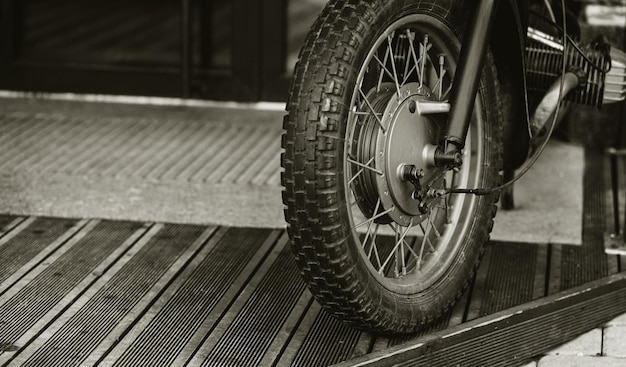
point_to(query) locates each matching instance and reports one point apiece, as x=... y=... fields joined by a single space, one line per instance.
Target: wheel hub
x=397 y=136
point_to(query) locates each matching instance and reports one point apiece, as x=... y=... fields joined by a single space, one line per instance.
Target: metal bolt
x=423 y=207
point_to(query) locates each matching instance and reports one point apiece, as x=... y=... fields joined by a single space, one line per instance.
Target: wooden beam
x=514 y=336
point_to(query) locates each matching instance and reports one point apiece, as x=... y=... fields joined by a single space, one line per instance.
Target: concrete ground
x=208 y=166
x=221 y=166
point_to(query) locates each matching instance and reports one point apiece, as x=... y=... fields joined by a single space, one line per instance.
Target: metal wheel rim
x=428 y=268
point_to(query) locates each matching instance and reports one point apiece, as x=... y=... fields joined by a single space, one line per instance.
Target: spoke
x=355 y=176
x=423 y=51
x=402 y=266
x=367 y=102
x=393 y=251
x=374 y=217
x=382 y=65
x=407 y=57
x=432 y=225
x=402 y=256
x=445 y=94
x=379 y=172
x=439 y=84
x=373 y=243
x=433 y=70
x=419 y=258
x=382 y=71
x=414 y=54
x=369 y=226
x=393 y=64
x=398 y=233
x=376 y=253
x=426 y=238
x=446 y=207
x=410 y=248
x=442 y=73
x=446 y=200
x=396 y=270
x=406 y=76
x=360 y=171
x=363 y=113
x=374 y=247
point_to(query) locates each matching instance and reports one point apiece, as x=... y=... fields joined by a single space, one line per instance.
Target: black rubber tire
x=313 y=194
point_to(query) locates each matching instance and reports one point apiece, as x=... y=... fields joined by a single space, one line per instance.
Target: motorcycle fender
x=508 y=49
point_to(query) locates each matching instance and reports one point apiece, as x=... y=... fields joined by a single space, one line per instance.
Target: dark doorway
x=239 y=50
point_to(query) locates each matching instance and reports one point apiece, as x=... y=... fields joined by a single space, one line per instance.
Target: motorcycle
x=407 y=120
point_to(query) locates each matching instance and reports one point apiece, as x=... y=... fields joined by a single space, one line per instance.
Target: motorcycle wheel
x=368 y=97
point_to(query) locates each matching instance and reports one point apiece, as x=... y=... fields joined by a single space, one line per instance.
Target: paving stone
x=613 y=345
x=580 y=361
x=558 y=192
x=588 y=344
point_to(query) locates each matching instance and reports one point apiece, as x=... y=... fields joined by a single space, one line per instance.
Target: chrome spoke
x=396 y=270
x=376 y=253
x=373 y=242
x=406 y=76
x=376 y=115
x=432 y=225
x=420 y=257
x=391 y=254
x=425 y=240
x=404 y=245
x=446 y=201
x=414 y=54
x=378 y=172
x=393 y=64
x=407 y=57
x=383 y=69
x=410 y=248
x=374 y=217
x=424 y=48
x=446 y=93
x=369 y=226
x=410 y=55
x=362 y=113
x=373 y=247
x=383 y=66
x=402 y=270
x=442 y=73
x=427 y=237
x=360 y=171
x=439 y=85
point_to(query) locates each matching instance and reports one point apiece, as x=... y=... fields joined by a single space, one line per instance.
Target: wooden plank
x=513 y=335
